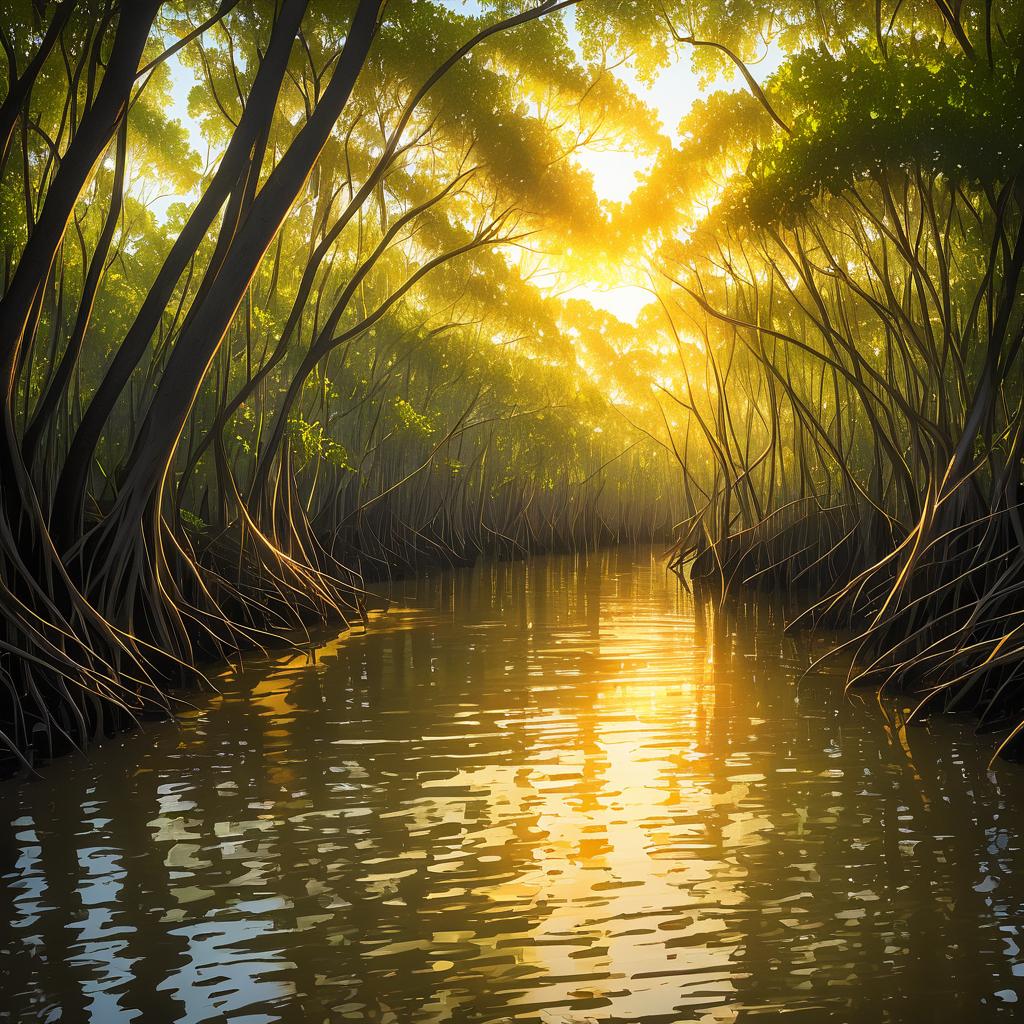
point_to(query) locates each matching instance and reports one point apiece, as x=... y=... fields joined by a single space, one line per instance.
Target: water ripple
x=554 y=791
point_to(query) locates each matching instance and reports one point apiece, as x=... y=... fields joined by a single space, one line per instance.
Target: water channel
x=559 y=790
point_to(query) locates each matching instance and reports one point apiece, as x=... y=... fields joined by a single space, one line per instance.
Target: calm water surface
x=552 y=791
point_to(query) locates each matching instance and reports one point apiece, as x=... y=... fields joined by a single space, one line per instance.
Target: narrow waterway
x=559 y=790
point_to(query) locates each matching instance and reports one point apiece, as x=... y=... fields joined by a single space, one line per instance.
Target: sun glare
x=624 y=301
x=616 y=172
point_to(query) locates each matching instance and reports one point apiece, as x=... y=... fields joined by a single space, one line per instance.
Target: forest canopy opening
x=298 y=292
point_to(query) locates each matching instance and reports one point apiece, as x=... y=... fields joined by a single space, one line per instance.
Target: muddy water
x=552 y=791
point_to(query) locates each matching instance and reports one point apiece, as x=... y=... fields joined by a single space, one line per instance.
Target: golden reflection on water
x=553 y=791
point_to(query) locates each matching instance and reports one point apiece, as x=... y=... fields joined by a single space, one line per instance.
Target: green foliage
x=192 y=520
x=312 y=443
x=408 y=419
x=922 y=109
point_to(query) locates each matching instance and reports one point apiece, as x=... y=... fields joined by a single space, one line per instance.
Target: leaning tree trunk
x=69 y=493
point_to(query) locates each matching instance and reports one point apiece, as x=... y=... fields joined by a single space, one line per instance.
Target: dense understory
x=859 y=299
